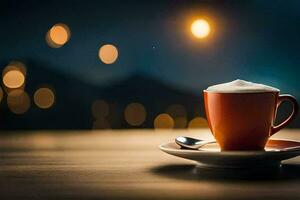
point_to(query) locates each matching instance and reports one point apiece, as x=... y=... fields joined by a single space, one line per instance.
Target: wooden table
x=126 y=165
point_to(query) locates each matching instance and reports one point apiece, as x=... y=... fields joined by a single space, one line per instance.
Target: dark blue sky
x=253 y=40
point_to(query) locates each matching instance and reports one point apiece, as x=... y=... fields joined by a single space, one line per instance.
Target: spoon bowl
x=191 y=143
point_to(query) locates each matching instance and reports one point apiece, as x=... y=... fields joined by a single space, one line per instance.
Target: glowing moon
x=200 y=28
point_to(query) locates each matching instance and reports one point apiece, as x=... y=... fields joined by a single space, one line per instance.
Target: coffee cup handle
x=291 y=99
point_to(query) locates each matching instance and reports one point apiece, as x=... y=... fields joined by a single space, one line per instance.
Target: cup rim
x=250 y=92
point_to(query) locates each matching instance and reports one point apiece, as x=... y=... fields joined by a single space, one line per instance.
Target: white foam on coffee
x=241 y=86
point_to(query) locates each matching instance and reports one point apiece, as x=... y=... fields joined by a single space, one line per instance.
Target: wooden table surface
x=127 y=165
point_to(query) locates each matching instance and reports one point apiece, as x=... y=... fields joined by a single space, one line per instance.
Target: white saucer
x=211 y=156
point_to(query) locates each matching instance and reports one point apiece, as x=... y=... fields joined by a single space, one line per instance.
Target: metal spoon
x=191 y=143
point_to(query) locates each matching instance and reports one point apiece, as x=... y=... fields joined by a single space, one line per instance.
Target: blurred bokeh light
x=44 y=97
x=200 y=28
x=163 y=121
x=135 y=114
x=178 y=113
x=108 y=53
x=101 y=123
x=180 y=122
x=13 y=79
x=18 y=101
x=100 y=109
x=15 y=65
x=58 y=35
x=1 y=94
x=13 y=75
x=176 y=110
x=198 y=122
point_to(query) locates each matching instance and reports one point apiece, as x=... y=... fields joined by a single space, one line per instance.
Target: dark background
x=160 y=63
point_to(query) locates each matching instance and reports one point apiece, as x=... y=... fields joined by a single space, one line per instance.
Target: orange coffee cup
x=245 y=121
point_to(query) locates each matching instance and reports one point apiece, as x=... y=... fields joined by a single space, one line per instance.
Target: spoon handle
x=203 y=143
x=297 y=148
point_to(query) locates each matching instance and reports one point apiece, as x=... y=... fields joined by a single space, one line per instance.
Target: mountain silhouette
x=72 y=108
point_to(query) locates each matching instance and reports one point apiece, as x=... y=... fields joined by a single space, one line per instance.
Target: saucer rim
x=231 y=153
